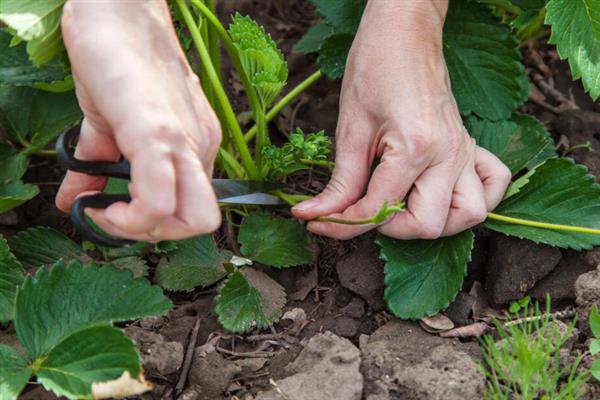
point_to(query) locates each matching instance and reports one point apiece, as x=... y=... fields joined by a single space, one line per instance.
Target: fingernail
x=306 y=205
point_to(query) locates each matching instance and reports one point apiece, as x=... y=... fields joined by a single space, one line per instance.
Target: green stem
x=213 y=41
x=287 y=99
x=288 y=198
x=230 y=162
x=229 y=114
x=262 y=139
x=232 y=51
x=544 y=225
x=318 y=163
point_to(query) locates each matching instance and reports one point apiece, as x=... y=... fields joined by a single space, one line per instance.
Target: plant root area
x=336 y=340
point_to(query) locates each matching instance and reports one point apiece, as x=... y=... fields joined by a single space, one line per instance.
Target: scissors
x=228 y=191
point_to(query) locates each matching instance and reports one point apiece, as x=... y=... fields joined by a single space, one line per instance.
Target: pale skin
x=146 y=103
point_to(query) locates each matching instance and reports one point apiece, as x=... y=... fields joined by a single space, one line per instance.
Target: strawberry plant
x=552 y=200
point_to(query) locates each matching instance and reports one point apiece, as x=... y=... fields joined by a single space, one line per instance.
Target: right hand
x=141 y=99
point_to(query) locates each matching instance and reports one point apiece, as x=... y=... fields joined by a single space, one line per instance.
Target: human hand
x=396 y=105
x=141 y=99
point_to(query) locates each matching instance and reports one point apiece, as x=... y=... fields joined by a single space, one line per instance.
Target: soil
x=336 y=340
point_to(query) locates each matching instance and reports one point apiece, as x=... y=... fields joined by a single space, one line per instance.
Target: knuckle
x=505 y=175
x=422 y=142
x=475 y=216
x=159 y=209
x=429 y=231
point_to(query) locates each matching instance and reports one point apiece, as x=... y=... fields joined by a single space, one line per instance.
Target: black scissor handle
x=80 y=221
x=101 y=200
x=67 y=159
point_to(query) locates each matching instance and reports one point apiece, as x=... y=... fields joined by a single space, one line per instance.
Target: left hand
x=396 y=105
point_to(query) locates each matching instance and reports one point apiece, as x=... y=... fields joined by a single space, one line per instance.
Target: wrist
x=412 y=20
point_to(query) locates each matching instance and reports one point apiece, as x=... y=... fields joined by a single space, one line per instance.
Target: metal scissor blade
x=225 y=188
x=259 y=199
x=232 y=191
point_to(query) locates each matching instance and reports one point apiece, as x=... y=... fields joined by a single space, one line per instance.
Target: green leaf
x=558 y=192
x=14 y=373
x=36 y=115
x=39 y=246
x=547 y=152
x=133 y=264
x=16 y=69
x=195 y=262
x=423 y=276
x=576 y=34
x=249 y=298
x=595 y=321
x=36 y=22
x=487 y=76
x=11 y=277
x=595 y=347
x=13 y=165
x=341 y=16
x=95 y=354
x=14 y=194
x=333 y=55
x=276 y=242
x=58 y=302
x=260 y=57
x=595 y=369
x=516 y=142
x=294 y=155
x=314 y=38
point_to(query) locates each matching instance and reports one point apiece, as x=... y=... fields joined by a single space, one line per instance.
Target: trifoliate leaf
x=516 y=141
x=195 y=262
x=36 y=22
x=314 y=38
x=341 y=16
x=39 y=246
x=94 y=354
x=36 y=115
x=277 y=242
x=559 y=192
x=576 y=34
x=248 y=299
x=333 y=55
x=14 y=194
x=260 y=57
x=11 y=277
x=14 y=373
x=423 y=276
x=133 y=264
x=16 y=69
x=487 y=76
x=58 y=302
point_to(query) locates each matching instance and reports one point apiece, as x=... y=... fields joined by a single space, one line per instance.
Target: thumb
x=347 y=184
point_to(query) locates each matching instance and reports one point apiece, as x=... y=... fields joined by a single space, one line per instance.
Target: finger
x=427 y=206
x=389 y=183
x=468 y=207
x=91 y=146
x=197 y=209
x=153 y=192
x=347 y=184
x=99 y=218
x=494 y=175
